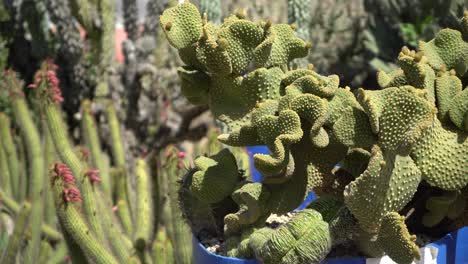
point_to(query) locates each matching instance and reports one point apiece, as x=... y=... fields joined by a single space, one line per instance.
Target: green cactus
x=215 y=178
x=390 y=141
x=144 y=205
x=364 y=196
x=9 y=255
x=11 y=155
x=92 y=228
x=90 y=134
x=31 y=137
x=162 y=248
x=252 y=199
x=396 y=241
x=305 y=238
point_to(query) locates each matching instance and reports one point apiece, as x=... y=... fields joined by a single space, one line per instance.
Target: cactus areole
x=403 y=148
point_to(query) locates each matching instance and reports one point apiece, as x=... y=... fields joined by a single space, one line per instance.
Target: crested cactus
x=410 y=133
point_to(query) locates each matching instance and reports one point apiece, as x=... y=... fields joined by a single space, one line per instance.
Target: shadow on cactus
x=404 y=148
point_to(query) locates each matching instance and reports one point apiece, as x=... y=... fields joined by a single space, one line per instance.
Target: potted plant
x=402 y=149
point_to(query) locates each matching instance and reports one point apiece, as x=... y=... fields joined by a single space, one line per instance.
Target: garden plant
x=95 y=156
x=389 y=166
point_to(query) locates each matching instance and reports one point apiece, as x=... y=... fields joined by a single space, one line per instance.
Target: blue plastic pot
x=452 y=248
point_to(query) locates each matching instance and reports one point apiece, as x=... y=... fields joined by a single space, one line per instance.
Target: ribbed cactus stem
x=117 y=148
x=124 y=214
x=144 y=213
x=11 y=155
x=5 y=178
x=21 y=221
x=8 y=202
x=59 y=254
x=177 y=229
x=31 y=138
x=119 y=242
x=59 y=136
x=116 y=137
x=49 y=150
x=91 y=138
x=66 y=153
x=163 y=251
x=46 y=250
x=76 y=226
x=23 y=180
x=47 y=231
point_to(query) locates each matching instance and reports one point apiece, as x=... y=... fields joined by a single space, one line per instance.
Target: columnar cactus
x=100 y=222
x=410 y=133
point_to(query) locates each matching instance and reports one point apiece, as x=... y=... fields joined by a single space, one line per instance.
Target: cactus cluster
x=408 y=137
x=75 y=202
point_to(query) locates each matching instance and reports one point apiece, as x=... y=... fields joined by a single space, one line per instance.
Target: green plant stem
x=48 y=232
x=91 y=138
x=5 y=178
x=121 y=184
x=11 y=155
x=66 y=153
x=31 y=138
x=144 y=213
x=49 y=149
x=75 y=225
x=21 y=221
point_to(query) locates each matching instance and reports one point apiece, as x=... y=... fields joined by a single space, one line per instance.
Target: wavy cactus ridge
x=233 y=100
x=447 y=49
x=385 y=172
x=447 y=87
x=215 y=178
x=396 y=241
x=252 y=199
x=458 y=111
x=182 y=25
x=417 y=72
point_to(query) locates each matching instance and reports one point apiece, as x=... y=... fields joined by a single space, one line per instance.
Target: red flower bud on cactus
x=181 y=154
x=71 y=195
x=93 y=176
x=62 y=170
x=180 y=165
x=47 y=78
